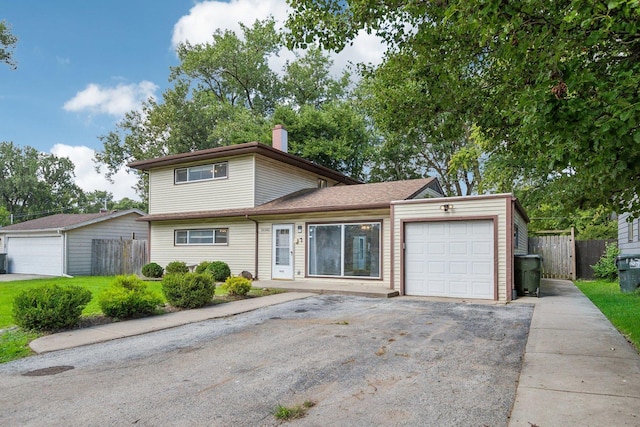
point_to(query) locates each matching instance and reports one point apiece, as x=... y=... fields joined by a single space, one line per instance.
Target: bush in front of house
x=176 y=267
x=188 y=290
x=219 y=270
x=50 y=308
x=606 y=268
x=128 y=297
x=202 y=267
x=236 y=286
x=152 y=270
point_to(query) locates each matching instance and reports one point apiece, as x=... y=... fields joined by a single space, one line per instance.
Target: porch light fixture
x=446 y=207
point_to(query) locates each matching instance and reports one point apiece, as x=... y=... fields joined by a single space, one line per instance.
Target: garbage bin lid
x=530 y=256
x=627 y=256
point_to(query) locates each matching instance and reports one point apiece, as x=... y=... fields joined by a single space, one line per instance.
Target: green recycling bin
x=528 y=269
x=629 y=272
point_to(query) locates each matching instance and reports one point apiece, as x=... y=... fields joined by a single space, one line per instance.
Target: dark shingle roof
x=58 y=221
x=342 y=197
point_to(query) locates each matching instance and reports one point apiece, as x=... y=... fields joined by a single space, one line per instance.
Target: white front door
x=282 y=264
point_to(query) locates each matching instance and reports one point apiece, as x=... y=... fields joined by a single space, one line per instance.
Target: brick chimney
x=279 y=138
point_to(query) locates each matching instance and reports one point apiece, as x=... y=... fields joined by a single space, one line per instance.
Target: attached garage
x=457 y=247
x=35 y=255
x=450 y=259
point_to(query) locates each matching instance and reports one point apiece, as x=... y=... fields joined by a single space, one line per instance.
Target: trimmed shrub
x=152 y=270
x=202 y=267
x=606 y=268
x=236 y=286
x=188 y=290
x=176 y=267
x=219 y=270
x=50 y=308
x=128 y=297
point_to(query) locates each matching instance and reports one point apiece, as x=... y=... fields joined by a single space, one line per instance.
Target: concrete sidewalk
x=111 y=331
x=578 y=369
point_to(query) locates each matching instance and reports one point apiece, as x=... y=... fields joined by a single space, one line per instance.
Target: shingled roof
x=65 y=221
x=338 y=198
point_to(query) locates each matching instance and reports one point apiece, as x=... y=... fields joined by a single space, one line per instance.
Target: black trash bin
x=628 y=271
x=3 y=263
x=528 y=270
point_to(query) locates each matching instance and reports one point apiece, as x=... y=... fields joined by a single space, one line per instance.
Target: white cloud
x=89 y=180
x=208 y=16
x=115 y=101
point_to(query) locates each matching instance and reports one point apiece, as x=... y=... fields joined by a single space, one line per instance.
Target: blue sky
x=83 y=64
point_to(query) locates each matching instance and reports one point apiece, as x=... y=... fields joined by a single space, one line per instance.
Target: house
x=628 y=234
x=61 y=244
x=281 y=217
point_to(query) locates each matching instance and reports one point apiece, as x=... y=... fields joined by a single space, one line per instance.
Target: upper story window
x=201 y=172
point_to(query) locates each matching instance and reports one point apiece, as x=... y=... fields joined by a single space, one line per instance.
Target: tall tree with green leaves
x=34 y=184
x=553 y=86
x=224 y=93
x=7 y=44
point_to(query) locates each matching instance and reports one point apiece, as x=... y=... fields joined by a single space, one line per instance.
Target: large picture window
x=344 y=250
x=205 y=236
x=201 y=173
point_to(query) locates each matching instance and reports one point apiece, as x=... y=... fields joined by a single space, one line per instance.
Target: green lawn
x=9 y=290
x=622 y=309
x=14 y=343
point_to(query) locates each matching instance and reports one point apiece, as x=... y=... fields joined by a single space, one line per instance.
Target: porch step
x=356 y=290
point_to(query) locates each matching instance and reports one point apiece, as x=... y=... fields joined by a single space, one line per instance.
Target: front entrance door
x=282 y=264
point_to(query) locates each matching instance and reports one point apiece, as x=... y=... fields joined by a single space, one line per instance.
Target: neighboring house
x=59 y=245
x=628 y=234
x=281 y=217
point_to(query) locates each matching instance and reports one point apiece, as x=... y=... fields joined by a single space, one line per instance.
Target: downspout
x=255 y=277
x=64 y=253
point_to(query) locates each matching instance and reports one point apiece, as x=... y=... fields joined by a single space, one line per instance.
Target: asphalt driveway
x=363 y=362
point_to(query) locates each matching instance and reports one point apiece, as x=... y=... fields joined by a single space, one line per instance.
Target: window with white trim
x=344 y=250
x=202 y=236
x=201 y=172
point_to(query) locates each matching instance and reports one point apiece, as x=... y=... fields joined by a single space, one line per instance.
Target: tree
x=7 y=44
x=335 y=136
x=34 y=184
x=553 y=86
x=224 y=93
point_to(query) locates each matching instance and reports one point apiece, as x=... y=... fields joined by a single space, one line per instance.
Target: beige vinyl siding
x=523 y=235
x=79 y=240
x=274 y=180
x=239 y=253
x=300 y=244
x=466 y=208
x=236 y=191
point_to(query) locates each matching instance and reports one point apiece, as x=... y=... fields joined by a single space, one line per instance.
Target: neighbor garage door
x=35 y=255
x=450 y=259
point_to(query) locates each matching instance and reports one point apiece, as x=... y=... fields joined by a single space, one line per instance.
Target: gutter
x=255 y=277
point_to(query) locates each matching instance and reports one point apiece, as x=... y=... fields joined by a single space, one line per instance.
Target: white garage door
x=450 y=259
x=35 y=255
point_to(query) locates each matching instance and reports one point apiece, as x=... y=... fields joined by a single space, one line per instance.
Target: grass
x=14 y=343
x=285 y=413
x=622 y=309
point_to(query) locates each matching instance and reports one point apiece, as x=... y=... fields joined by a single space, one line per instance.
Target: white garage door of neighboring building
x=35 y=255
x=450 y=259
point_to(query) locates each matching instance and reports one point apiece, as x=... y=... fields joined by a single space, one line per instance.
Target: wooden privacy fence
x=111 y=257
x=558 y=255
x=589 y=252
